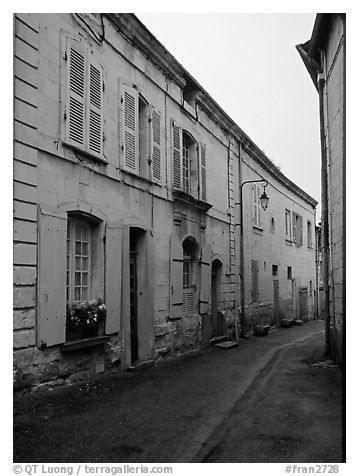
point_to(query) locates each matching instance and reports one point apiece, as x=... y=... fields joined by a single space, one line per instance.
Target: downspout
x=325 y=216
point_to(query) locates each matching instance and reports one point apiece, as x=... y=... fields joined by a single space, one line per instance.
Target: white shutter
x=95 y=106
x=202 y=173
x=51 y=317
x=177 y=156
x=156 y=145
x=130 y=128
x=76 y=94
x=113 y=273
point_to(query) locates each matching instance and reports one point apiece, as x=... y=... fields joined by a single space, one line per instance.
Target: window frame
x=288 y=224
x=71 y=255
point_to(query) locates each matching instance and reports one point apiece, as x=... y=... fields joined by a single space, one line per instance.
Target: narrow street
x=276 y=402
x=291 y=413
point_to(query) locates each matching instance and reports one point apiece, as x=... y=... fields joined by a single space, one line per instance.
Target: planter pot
x=89 y=332
x=73 y=334
x=261 y=330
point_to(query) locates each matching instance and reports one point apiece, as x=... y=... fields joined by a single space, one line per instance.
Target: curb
x=195 y=452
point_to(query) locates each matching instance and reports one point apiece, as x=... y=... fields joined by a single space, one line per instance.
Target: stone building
x=324 y=58
x=126 y=189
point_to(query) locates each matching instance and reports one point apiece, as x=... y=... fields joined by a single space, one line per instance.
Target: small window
x=272 y=225
x=310 y=288
x=274 y=270
x=289 y=272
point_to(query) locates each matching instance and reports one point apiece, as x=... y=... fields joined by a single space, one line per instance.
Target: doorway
x=217 y=323
x=303 y=303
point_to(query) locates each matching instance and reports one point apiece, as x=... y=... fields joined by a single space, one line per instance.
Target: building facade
x=126 y=189
x=324 y=57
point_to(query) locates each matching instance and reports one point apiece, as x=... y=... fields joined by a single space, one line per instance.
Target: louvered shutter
x=176 y=276
x=300 y=230
x=177 y=156
x=95 y=106
x=51 y=278
x=130 y=128
x=202 y=173
x=205 y=278
x=76 y=96
x=156 y=146
x=113 y=273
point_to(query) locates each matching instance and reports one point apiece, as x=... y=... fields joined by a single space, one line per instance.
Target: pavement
x=177 y=411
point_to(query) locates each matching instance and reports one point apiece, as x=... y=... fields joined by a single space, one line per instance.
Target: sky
x=249 y=64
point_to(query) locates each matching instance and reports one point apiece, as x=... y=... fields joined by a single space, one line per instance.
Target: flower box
x=85 y=319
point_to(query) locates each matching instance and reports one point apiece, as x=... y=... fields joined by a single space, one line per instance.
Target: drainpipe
x=325 y=216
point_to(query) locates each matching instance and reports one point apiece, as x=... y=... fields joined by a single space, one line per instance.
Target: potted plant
x=261 y=330
x=84 y=319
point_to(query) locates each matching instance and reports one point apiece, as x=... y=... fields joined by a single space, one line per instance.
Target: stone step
x=140 y=365
x=217 y=339
x=227 y=344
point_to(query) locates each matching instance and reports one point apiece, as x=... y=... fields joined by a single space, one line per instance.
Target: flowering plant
x=86 y=314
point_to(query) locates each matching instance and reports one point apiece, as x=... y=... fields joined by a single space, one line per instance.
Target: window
x=78 y=261
x=189 y=164
x=289 y=272
x=274 y=270
x=141 y=135
x=288 y=227
x=309 y=234
x=272 y=225
x=256 y=206
x=84 y=109
x=297 y=229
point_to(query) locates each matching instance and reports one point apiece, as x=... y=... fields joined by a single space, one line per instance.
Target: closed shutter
x=295 y=238
x=205 y=278
x=300 y=230
x=177 y=156
x=156 y=146
x=255 y=290
x=95 y=132
x=76 y=94
x=202 y=173
x=113 y=273
x=52 y=278
x=176 y=276
x=130 y=128
x=188 y=298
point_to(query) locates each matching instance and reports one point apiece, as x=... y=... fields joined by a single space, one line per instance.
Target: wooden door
x=133 y=307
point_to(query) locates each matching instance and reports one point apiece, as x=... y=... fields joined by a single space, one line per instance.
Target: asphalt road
x=291 y=413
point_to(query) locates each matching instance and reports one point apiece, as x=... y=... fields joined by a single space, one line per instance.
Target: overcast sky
x=249 y=64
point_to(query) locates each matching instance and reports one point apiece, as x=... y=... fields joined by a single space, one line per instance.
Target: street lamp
x=264 y=204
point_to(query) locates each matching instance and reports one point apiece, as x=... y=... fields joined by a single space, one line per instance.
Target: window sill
x=179 y=195
x=84 y=343
x=258 y=230
x=82 y=154
x=139 y=177
x=288 y=242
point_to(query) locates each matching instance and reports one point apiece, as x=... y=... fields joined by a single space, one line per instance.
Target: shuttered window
x=297 y=229
x=156 y=146
x=256 y=206
x=177 y=156
x=84 y=112
x=130 y=129
x=202 y=173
